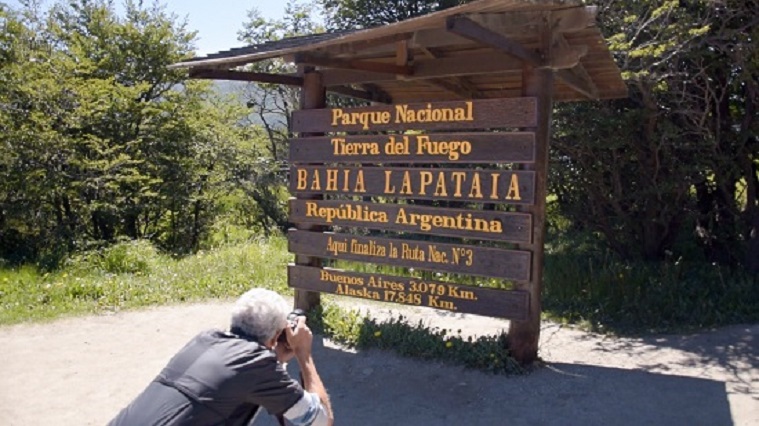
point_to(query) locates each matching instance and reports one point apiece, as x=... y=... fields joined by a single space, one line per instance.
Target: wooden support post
x=313 y=95
x=537 y=82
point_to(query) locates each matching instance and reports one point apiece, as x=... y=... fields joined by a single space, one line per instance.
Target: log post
x=313 y=95
x=536 y=82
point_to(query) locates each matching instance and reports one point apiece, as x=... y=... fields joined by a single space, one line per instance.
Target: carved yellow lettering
x=494 y=181
x=316 y=182
x=406 y=187
x=425 y=179
x=457 y=177
x=311 y=209
x=360 y=186
x=400 y=113
x=302 y=178
x=331 y=180
x=337 y=113
x=440 y=189
x=336 y=145
x=388 y=188
x=475 y=191
x=514 y=188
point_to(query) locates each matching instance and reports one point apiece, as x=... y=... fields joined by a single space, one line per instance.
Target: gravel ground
x=82 y=371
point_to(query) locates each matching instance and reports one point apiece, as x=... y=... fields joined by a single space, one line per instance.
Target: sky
x=216 y=22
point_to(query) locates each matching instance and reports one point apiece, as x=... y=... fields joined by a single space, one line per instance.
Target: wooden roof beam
x=524 y=22
x=426 y=68
x=579 y=80
x=330 y=62
x=474 y=31
x=576 y=76
x=381 y=95
x=402 y=53
x=562 y=56
x=458 y=85
x=209 y=74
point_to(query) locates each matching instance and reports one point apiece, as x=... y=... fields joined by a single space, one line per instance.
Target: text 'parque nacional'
x=403 y=114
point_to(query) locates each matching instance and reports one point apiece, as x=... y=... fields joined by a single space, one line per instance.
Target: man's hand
x=284 y=351
x=300 y=339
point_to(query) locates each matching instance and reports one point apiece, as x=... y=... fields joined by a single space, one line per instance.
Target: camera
x=292 y=322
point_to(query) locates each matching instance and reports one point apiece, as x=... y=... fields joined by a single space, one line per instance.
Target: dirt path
x=83 y=370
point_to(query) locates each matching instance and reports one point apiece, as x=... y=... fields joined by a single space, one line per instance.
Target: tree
x=677 y=161
x=101 y=140
x=272 y=105
x=352 y=14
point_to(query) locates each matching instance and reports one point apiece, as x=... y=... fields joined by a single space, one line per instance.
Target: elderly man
x=223 y=378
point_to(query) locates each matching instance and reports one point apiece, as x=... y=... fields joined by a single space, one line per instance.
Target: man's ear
x=271 y=343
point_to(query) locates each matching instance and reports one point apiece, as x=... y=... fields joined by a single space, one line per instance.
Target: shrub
x=125 y=257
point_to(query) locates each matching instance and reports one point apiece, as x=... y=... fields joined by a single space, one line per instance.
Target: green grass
x=602 y=293
x=133 y=274
x=581 y=287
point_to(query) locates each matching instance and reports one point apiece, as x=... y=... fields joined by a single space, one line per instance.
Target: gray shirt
x=218 y=378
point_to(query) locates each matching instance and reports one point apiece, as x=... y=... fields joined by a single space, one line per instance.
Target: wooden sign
x=485 y=186
x=411 y=291
x=478 y=224
x=455 y=115
x=503 y=147
x=459 y=258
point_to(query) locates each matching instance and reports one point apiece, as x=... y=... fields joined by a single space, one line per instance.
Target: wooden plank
x=483 y=186
x=465 y=64
x=351 y=64
x=454 y=87
x=203 y=74
x=412 y=291
x=360 y=46
x=476 y=114
x=459 y=258
x=478 y=224
x=488 y=148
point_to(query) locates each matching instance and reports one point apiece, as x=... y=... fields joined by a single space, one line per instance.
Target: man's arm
x=300 y=341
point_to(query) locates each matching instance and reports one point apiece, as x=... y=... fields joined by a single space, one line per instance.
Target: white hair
x=260 y=314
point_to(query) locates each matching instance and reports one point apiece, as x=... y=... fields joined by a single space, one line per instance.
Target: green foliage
x=679 y=159
x=351 y=14
x=101 y=141
x=271 y=106
x=350 y=327
x=488 y=353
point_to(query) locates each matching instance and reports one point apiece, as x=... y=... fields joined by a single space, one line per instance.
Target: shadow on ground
x=378 y=388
